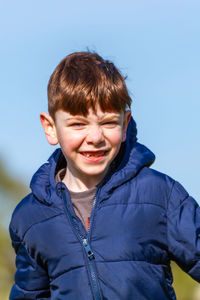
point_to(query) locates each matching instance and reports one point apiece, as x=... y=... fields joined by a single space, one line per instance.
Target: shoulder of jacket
x=156 y=177
x=155 y=186
x=29 y=212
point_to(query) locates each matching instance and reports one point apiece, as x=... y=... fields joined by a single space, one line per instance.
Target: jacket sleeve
x=31 y=280
x=184 y=231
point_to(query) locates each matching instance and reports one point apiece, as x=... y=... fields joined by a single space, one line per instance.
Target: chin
x=96 y=173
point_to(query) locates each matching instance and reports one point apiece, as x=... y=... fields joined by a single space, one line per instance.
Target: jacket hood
x=131 y=158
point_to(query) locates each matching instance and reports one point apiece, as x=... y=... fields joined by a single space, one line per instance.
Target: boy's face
x=90 y=143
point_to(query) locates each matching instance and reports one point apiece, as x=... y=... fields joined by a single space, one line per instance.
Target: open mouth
x=93 y=154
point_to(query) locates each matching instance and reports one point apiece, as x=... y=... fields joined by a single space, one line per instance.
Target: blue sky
x=156 y=43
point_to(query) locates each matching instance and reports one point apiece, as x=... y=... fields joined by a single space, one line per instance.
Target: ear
x=49 y=128
x=127 y=116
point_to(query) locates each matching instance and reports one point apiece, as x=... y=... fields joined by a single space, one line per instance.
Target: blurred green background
x=10 y=192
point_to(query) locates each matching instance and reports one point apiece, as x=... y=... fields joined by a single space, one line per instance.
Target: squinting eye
x=110 y=124
x=77 y=124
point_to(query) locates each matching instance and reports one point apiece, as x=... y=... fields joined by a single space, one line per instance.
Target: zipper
x=88 y=251
x=92 y=270
x=92 y=214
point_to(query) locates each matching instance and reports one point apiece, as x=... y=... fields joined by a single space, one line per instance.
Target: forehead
x=92 y=114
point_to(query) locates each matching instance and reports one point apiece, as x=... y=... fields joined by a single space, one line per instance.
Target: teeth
x=89 y=155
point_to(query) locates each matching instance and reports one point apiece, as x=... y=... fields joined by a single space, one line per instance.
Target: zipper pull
x=88 y=250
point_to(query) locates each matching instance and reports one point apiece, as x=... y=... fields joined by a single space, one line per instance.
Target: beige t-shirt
x=81 y=201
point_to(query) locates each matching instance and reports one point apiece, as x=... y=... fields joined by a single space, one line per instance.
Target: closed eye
x=111 y=124
x=77 y=124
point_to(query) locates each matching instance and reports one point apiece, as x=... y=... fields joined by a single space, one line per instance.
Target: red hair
x=83 y=80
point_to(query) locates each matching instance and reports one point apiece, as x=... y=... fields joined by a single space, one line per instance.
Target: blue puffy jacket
x=141 y=220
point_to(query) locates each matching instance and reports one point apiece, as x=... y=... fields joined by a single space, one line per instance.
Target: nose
x=95 y=135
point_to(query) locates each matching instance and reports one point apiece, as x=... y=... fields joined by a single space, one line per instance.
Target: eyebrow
x=76 y=118
x=113 y=115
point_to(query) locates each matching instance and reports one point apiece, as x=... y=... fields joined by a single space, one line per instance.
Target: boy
x=99 y=223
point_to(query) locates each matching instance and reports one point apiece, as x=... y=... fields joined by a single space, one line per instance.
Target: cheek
x=70 y=141
x=115 y=138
